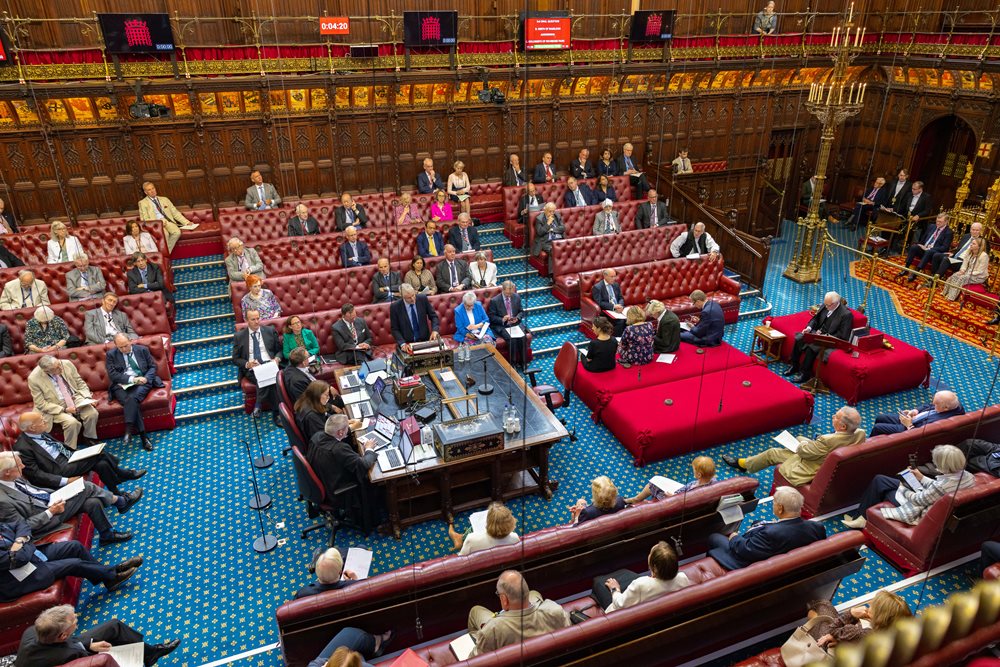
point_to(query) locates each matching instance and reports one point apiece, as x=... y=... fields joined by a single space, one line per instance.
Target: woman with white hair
x=470 y=319
x=46 y=332
x=483 y=271
x=62 y=247
x=911 y=504
x=975 y=269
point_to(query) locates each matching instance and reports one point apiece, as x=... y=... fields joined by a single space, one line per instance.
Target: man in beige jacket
x=62 y=396
x=524 y=614
x=800 y=467
x=25 y=291
x=153 y=207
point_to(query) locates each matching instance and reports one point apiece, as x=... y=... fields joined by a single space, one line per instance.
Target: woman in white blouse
x=500 y=524
x=625 y=588
x=136 y=240
x=975 y=269
x=62 y=247
x=460 y=188
x=483 y=272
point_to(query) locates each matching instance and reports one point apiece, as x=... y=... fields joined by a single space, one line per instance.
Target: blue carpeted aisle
x=203 y=583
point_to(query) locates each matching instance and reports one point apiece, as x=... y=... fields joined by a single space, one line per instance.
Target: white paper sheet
x=266 y=373
x=694 y=254
x=358 y=561
x=515 y=331
x=463 y=646
x=482 y=331
x=731 y=515
x=666 y=358
x=478 y=521
x=665 y=484
x=448 y=376
x=354 y=397
x=84 y=402
x=686 y=326
x=615 y=315
x=87 y=452
x=788 y=441
x=774 y=333
x=23 y=572
x=66 y=492
x=128 y=655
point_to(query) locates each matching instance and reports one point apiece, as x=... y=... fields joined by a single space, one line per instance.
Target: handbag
x=801 y=649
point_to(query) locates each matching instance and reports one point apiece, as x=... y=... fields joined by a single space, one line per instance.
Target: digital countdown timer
x=334 y=25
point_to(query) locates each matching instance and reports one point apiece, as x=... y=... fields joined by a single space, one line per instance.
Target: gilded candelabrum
x=832 y=103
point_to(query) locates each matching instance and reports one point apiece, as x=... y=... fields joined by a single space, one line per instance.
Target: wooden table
x=767 y=344
x=436 y=489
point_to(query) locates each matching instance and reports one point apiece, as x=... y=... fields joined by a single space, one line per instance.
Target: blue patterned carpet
x=202 y=581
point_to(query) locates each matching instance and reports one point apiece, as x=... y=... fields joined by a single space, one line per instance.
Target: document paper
x=788 y=441
x=666 y=484
x=266 y=373
x=515 y=331
x=615 y=315
x=478 y=521
x=358 y=561
x=66 y=492
x=128 y=655
x=87 y=452
x=463 y=646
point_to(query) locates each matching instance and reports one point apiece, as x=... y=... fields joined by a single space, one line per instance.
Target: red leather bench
x=17 y=616
x=113 y=268
x=846 y=471
x=330 y=289
x=573 y=256
x=377 y=317
x=719 y=609
x=796 y=322
x=548 y=192
x=709 y=167
x=552 y=560
x=597 y=390
x=706 y=410
x=669 y=280
x=578 y=222
x=193 y=243
x=103 y=240
x=157 y=409
x=872 y=373
x=146 y=312
x=954 y=526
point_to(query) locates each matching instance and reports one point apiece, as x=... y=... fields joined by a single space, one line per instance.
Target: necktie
x=256 y=347
x=965 y=246
x=354 y=252
x=871 y=195
x=430 y=244
x=934 y=236
x=156 y=203
x=579 y=198
x=350 y=216
x=111 y=324
x=142 y=274
x=83 y=279
x=548 y=170
x=454 y=276
x=414 y=324
x=260 y=193
x=64 y=392
x=61 y=448
x=465 y=239
x=652 y=208
x=26 y=298
x=132 y=363
x=506 y=302
x=611 y=294
x=41 y=498
x=628 y=163
x=354 y=332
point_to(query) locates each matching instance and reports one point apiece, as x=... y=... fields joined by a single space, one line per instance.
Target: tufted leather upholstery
x=963 y=521
x=769 y=658
x=15 y=617
x=54 y=275
x=146 y=312
x=570 y=257
x=327 y=290
x=158 y=408
x=601 y=545
x=377 y=317
x=96 y=660
x=846 y=471
x=709 y=167
x=579 y=221
x=104 y=240
x=668 y=280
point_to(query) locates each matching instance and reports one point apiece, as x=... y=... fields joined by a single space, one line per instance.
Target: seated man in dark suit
x=607 y=294
x=330 y=575
x=452 y=275
x=463 y=235
x=146 y=276
x=52 y=562
x=981 y=456
x=628 y=166
x=915 y=205
x=297 y=376
x=53 y=640
x=944 y=405
x=549 y=227
x=871 y=203
x=353 y=251
x=544 y=172
x=530 y=201
x=46 y=460
x=385 y=282
x=708 y=330
x=833 y=319
x=505 y=312
x=22 y=500
x=430 y=243
x=581 y=168
x=935 y=240
x=302 y=224
x=668 y=328
x=255 y=345
x=412 y=318
x=352 y=337
x=349 y=213
x=652 y=212
x=428 y=180
x=338 y=464
x=131 y=365
x=8 y=260
x=943 y=262
x=577 y=194
x=764 y=540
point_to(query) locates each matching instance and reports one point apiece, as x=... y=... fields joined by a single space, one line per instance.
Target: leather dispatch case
x=870 y=343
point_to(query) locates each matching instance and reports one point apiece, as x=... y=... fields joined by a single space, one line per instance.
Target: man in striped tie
x=132 y=373
x=876 y=198
x=60 y=394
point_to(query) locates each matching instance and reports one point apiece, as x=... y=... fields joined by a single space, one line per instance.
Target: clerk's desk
x=436 y=489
